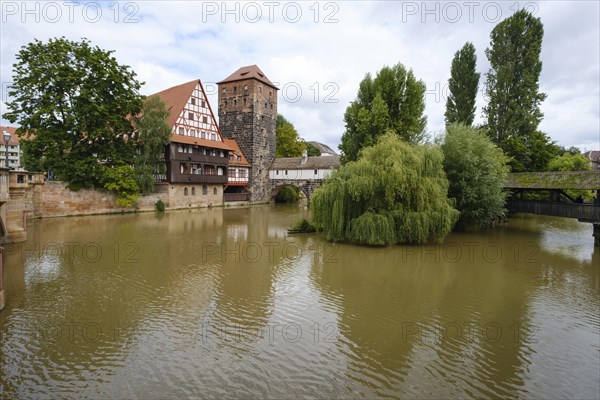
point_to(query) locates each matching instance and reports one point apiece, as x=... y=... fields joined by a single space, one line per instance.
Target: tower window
x=271 y=106
x=224 y=90
x=265 y=104
x=204 y=189
x=185 y=191
x=235 y=102
x=235 y=89
x=215 y=190
x=193 y=191
x=244 y=101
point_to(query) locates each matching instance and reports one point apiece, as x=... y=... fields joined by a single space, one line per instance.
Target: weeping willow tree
x=394 y=193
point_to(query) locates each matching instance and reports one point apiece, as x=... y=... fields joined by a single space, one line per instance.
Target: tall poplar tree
x=513 y=111
x=463 y=85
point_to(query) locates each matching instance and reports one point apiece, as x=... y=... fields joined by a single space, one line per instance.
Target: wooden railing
x=236 y=197
x=588 y=212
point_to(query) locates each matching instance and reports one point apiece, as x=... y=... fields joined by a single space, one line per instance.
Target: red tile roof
x=251 y=71
x=236 y=150
x=14 y=138
x=175 y=99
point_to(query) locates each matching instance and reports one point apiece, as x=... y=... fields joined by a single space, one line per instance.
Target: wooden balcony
x=196 y=178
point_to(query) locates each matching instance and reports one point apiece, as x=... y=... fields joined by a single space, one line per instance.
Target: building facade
x=15 y=154
x=197 y=158
x=247 y=114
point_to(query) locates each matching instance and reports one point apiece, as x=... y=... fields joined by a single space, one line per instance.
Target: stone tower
x=248 y=114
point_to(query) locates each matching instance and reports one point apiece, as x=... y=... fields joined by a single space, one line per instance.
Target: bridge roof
x=554 y=180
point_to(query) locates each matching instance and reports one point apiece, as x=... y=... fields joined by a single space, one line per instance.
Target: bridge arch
x=275 y=188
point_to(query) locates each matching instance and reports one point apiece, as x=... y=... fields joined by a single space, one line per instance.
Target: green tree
x=312 y=151
x=395 y=192
x=288 y=194
x=513 y=111
x=463 y=85
x=287 y=141
x=76 y=100
x=152 y=133
x=394 y=100
x=569 y=162
x=477 y=171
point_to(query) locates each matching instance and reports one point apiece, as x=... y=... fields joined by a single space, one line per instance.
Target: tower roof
x=249 y=72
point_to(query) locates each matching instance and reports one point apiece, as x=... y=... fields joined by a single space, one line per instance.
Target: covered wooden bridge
x=552 y=198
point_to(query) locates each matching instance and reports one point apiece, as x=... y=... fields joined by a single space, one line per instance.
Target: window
x=235 y=89
x=180 y=149
x=277 y=172
x=202 y=103
x=224 y=90
x=315 y=171
x=193 y=191
x=213 y=152
x=270 y=93
x=221 y=153
x=193 y=132
x=213 y=137
x=271 y=106
x=193 y=100
x=245 y=88
x=265 y=104
x=204 y=190
x=191 y=116
x=231 y=173
x=243 y=173
x=286 y=171
x=205 y=120
x=215 y=190
x=235 y=102
x=203 y=135
x=181 y=130
x=239 y=158
x=230 y=157
x=244 y=101
x=185 y=191
x=204 y=150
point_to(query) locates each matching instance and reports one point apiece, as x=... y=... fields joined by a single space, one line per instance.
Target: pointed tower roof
x=249 y=72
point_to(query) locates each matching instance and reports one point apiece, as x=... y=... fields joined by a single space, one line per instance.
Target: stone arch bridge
x=306 y=186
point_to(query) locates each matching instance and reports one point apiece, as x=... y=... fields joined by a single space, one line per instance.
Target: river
x=219 y=303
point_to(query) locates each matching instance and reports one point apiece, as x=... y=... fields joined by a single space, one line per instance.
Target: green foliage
x=151 y=136
x=159 y=205
x=394 y=100
x=513 y=111
x=287 y=141
x=76 y=100
x=303 y=226
x=312 y=151
x=463 y=85
x=569 y=162
x=395 y=192
x=477 y=170
x=288 y=194
x=122 y=180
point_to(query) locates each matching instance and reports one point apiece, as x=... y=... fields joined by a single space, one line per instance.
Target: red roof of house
x=249 y=72
x=175 y=99
x=14 y=138
x=236 y=150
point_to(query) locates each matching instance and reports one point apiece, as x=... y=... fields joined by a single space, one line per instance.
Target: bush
x=288 y=194
x=122 y=181
x=303 y=226
x=477 y=170
x=159 y=205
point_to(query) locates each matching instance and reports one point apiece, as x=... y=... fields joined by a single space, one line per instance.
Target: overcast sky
x=317 y=52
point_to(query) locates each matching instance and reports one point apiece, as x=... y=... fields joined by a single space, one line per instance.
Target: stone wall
x=54 y=199
x=248 y=114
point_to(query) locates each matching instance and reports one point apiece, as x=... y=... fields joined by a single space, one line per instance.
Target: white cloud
x=171 y=42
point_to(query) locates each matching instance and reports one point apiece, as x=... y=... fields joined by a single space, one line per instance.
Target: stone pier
x=1 y=280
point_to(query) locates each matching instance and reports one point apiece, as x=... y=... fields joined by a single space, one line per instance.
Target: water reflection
x=223 y=303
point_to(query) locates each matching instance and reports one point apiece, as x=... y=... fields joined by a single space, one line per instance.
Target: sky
x=318 y=52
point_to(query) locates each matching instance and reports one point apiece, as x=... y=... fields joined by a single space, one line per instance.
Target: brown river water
x=222 y=303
